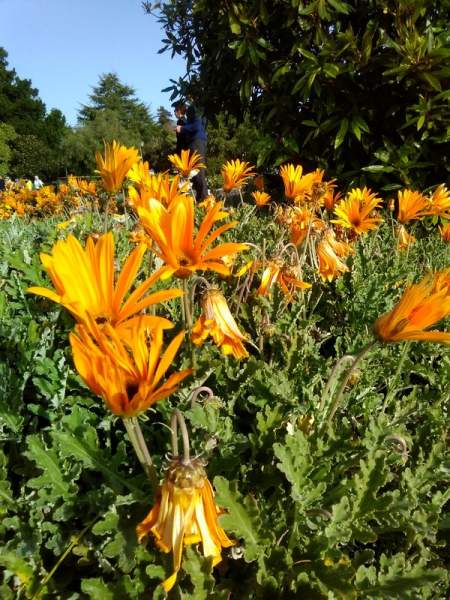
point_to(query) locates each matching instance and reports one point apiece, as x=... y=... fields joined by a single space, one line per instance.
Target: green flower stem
x=187 y=305
x=361 y=354
x=178 y=419
x=140 y=447
x=75 y=541
x=332 y=380
x=391 y=391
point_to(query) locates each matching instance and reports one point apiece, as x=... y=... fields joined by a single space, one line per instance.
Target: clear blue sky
x=64 y=45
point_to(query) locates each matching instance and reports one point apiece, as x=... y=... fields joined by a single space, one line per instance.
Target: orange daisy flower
x=235 y=173
x=261 y=198
x=185 y=513
x=126 y=371
x=218 y=322
x=354 y=211
x=412 y=206
x=188 y=163
x=330 y=264
x=84 y=282
x=291 y=176
x=172 y=229
x=440 y=202
x=421 y=306
x=115 y=165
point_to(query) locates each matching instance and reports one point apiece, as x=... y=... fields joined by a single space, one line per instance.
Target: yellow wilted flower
x=185 y=513
x=235 y=173
x=277 y=272
x=218 y=322
x=187 y=164
x=404 y=239
x=421 y=306
x=84 y=281
x=184 y=251
x=115 y=165
x=329 y=253
x=354 y=211
x=126 y=371
x=445 y=232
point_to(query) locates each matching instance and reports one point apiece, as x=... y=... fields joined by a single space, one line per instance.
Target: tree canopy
x=355 y=87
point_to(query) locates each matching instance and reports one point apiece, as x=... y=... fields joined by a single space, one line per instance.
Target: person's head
x=180 y=110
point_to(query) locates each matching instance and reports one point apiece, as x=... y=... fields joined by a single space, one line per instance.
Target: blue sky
x=64 y=45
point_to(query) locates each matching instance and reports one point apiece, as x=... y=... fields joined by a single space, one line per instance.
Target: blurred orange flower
x=421 y=306
x=261 y=198
x=412 y=206
x=188 y=163
x=354 y=211
x=115 y=165
x=235 y=173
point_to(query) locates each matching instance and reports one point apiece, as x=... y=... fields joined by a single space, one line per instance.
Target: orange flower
x=440 y=202
x=113 y=168
x=330 y=264
x=159 y=186
x=183 y=252
x=412 y=205
x=82 y=185
x=126 y=371
x=235 y=173
x=84 y=281
x=187 y=164
x=291 y=177
x=330 y=199
x=310 y=188
x=218 y=322
x=276 y=271
x=261 y=198
x=445 y=232
x=300 y=220
x=404 y=239
x=421 y=306
x=354 y=211
x=185 y=513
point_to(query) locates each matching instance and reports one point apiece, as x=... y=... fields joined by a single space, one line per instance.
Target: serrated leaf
x=96 y=588
x=242 y=517
x=47 y=460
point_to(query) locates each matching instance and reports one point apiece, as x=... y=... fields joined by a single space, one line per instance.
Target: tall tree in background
x=355 y=87
x=34 y=137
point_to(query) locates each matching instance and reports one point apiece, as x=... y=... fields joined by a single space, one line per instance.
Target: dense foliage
x=359 y=88
x=356 y=508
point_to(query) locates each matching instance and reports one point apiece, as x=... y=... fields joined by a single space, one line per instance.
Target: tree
x=111 y=95
x=7 y=134
x=359 y=88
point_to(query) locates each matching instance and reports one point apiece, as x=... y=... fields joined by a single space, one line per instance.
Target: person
x=29 y=185
x=182 y=137
x=196 y=136
x=37 y=183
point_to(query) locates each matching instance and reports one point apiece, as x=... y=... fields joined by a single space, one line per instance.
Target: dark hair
x=191 y=113
x=180 y=107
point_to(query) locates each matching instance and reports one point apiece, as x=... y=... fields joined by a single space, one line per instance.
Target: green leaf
x=242 y=517
x=341 y=133
x=96 y=588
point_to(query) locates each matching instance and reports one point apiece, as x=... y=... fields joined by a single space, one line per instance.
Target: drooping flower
x=404 y=239
x=188 y=163
x=277 y=272
x=445 y=232
x=412 y=205
x=260 y=198
x=185 y=513
x=330 y=199
x=84 y=281
x=115 y=165
x=300 y=220
x=422 y=305
x=354 y=211
x=330 y=264
x=218 y=322
x=126 y=370
x=235 y=173
x=183 y=251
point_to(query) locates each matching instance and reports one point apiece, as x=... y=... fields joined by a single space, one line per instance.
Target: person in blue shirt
x=182 y=138
x=194 y=129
